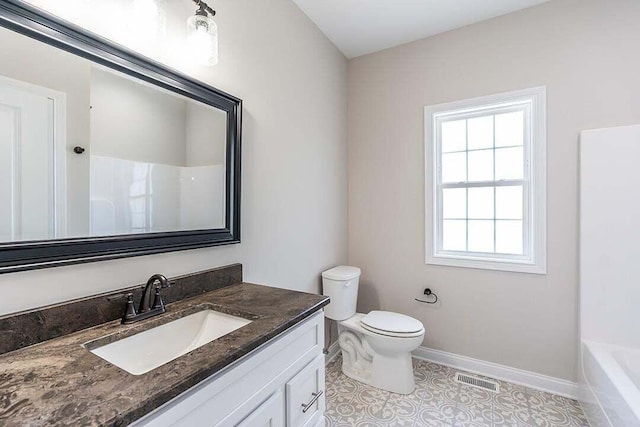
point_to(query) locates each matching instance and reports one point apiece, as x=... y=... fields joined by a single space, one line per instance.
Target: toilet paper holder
x=428 y=293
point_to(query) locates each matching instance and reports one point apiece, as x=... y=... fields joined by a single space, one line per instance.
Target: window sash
x=525 y=182
x=526 y=224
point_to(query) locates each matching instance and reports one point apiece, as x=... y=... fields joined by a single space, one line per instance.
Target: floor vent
x=477 y=382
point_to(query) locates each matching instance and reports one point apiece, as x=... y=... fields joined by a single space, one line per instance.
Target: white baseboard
x=500 y=372
x=333 y=351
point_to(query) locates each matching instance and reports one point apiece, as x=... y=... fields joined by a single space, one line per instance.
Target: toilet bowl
x=376 y=347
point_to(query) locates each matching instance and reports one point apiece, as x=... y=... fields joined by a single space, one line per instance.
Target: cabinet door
x=269 y=414
x=305 y=395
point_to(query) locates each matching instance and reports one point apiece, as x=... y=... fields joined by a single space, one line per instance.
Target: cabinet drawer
x=305 y=395
x=268 y=414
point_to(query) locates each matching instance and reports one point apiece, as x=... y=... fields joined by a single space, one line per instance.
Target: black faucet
x=145 y=301
x=146 y=310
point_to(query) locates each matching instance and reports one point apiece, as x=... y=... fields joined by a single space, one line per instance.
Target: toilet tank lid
x=343 y=272
x=392 y=322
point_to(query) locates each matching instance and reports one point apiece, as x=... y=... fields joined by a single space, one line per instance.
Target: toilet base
x=393 y=374
x=390 y=374
x=384 y=369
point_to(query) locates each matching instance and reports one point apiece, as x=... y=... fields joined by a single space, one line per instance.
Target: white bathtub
x=611 y=393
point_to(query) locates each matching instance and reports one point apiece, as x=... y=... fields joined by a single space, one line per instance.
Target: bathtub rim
x=623 y=406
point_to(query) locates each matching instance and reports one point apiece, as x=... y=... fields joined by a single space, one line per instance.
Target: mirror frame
x=37 y=24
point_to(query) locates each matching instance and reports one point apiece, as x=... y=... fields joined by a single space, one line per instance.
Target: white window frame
x=534 y=259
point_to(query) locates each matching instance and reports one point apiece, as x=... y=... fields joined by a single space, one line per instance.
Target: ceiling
x=358 y=27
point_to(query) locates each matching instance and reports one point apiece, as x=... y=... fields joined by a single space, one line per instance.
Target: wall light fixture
x=202 y=35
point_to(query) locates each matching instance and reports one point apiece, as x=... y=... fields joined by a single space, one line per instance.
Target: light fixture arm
x=204 y=7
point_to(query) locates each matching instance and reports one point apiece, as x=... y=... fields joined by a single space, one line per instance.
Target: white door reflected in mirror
x=28 y=206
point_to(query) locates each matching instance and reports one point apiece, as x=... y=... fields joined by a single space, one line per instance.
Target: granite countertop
x=59 y=382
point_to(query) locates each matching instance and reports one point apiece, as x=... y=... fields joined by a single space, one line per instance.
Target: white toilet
x=376 y=347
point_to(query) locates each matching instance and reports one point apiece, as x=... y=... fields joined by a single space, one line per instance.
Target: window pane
x=481 y=236
x=509 y=202
x=509 y=237
x=454 y=203
x=454 y=235
x=137 y=204
x=138 y=220
x=480 y=132
x=454 y=167
x=481 y=165
x=454 y=136
x=509 y=163
x=138 y=188
x=481 y=203
x=510 y=129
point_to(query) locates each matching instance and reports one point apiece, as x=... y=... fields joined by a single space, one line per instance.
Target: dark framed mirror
x=107 y=154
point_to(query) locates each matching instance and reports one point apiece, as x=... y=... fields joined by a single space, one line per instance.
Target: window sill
x=515 y=266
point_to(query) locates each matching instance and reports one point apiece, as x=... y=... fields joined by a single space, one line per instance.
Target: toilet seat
x=392 y=324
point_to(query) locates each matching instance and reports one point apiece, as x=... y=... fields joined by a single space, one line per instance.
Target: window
x=486 y=182
x=141 y=198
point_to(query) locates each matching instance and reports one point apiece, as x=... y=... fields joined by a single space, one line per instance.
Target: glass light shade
x=202 y=40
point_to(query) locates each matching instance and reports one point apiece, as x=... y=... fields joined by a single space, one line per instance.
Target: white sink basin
x=147 y=350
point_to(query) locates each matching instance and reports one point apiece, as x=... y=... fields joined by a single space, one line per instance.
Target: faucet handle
x=158 y=302
x=130 y=311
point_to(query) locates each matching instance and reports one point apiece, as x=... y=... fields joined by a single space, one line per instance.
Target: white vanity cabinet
x=279 y=384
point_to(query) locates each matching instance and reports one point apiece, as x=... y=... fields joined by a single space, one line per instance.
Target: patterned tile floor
x=439 y=401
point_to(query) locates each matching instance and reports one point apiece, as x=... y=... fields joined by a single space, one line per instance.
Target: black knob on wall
x=78 y=150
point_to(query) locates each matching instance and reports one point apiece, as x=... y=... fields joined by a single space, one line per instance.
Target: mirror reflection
x=86 y=151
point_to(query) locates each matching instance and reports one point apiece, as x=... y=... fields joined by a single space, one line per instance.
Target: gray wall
x=586 y=53
x=293 y=84
x=134 y=121
x=206 y=134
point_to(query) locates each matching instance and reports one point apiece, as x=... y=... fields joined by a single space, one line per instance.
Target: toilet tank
x=341 y=285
